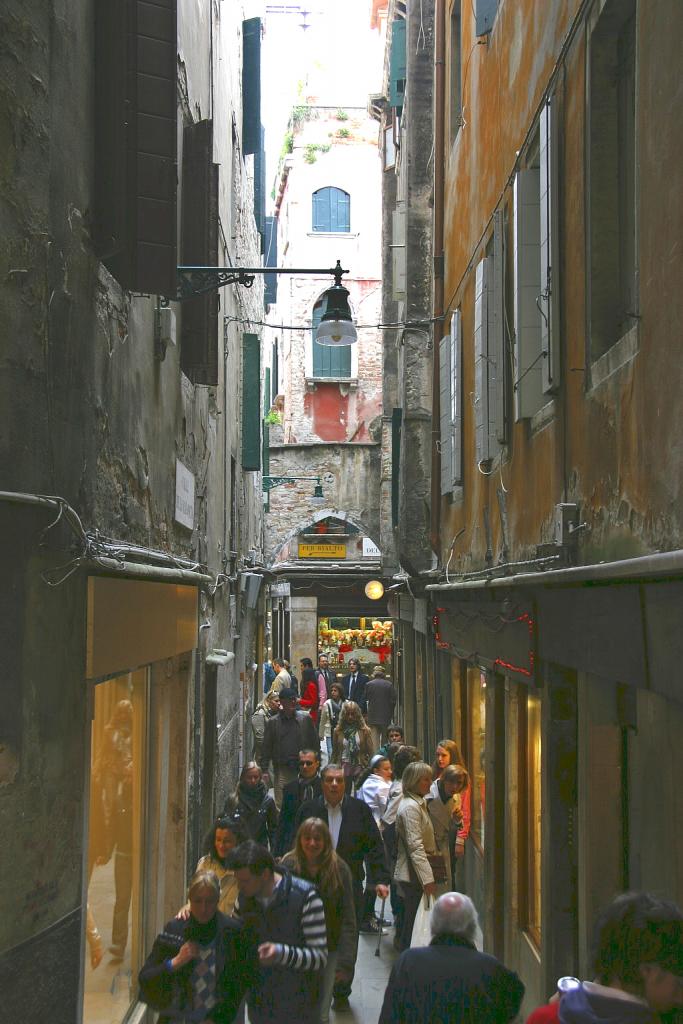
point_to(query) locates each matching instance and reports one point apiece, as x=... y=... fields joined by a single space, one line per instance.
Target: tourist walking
x=351 y=744
x=415 y=844
x=329 y=715
x=288 y=732
x=253 y=807
x=450 y=980
x=307 y=786
x=314 y=859
x=287 y=917
x=381 y=700
x=200 y=967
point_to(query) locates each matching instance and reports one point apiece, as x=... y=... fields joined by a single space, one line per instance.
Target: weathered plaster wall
x=613 y=447
x=90 y=414
x=350 y=477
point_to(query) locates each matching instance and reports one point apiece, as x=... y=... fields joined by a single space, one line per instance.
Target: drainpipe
x=438 y=250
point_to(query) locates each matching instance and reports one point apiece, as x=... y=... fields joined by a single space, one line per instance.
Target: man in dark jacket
x=356 y=839
x=306 y=787
x=450 y=979
x=381 y=700
x=285 y=734
x=286 y=916
x=355 y=683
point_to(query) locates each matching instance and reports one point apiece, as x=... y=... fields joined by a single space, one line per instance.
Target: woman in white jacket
x=329 y=715
x=415 y=835
x=375 y=790
x=415 y=840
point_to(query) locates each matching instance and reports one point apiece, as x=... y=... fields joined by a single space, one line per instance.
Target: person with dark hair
x=354 y=684
x=329 y=715
x=308 y=701
x=307 y=786
x=223 y=836
x=286 y=733
x=637 y=964
x=287 y=918
x=201 y=966
x=450 y=980
x=252 y=807
x=380 y=695
x=394 y=738
x=356 y=840
x=314 y=859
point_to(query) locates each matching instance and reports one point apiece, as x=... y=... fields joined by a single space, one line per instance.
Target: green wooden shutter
x=396 y=418
x=251 y=85
x=485 y=13
x=328 y=360
x=266 y=426
x=270 y=260
x=397 y=64
x=321 y=210
x=251 y=402
x=199 y=337
x=136 y=142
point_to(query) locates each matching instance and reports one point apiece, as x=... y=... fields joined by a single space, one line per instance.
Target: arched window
x=328 y=360
x=331 y=209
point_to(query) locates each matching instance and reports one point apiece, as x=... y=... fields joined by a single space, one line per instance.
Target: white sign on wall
x=184 y=495
x=370 y=550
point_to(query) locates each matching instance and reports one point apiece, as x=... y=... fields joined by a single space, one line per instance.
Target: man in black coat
x=285 y=734
x=354 y=684
x=306 y=787
x=355 y=838
x=450 y=979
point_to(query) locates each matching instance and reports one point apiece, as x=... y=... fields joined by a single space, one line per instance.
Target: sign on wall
x=322 y=550
x=184 y=495
x=370 y=549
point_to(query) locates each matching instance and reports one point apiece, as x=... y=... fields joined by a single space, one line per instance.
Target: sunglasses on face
x=306 y=764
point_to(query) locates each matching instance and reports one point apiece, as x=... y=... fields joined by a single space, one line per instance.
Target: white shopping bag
x=422 y=933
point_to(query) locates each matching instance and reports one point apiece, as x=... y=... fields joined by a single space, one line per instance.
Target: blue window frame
x=329 y=360
x=331 y=209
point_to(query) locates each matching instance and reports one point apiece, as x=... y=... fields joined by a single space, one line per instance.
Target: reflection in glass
x=533 y=774
x=476 y=679
x=113 y=911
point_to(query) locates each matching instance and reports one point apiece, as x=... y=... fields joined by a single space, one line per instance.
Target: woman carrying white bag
x=417 y=858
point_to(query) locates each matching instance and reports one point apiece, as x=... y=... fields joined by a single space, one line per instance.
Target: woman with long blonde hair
x=314 y=859
x=351 y=743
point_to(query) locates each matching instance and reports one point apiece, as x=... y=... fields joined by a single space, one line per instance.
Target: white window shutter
x=398 y=250
x=481 y=370
x=496 y=324
x=456 y=397
x=527 y=288
x=445 y=414
x=550 y=264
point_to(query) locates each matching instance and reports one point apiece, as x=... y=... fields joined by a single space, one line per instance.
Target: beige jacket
x=415 y=839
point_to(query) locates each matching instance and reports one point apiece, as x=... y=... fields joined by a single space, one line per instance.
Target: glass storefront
x=115 y=848
x=532 y=771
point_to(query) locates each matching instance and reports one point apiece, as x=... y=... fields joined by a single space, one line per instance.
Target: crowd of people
x=357 y=816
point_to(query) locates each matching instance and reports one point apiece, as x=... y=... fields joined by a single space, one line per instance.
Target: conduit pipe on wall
x=439 y=105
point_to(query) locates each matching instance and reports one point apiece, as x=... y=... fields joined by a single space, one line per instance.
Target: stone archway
x=325 y=513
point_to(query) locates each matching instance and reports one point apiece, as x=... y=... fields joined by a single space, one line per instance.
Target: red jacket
x=308 y=701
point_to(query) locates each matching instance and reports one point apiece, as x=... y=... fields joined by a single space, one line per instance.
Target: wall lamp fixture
x=336 y=325
x=317 y=498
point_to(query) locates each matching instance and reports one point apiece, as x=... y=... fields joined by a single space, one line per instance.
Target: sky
x=336 y=61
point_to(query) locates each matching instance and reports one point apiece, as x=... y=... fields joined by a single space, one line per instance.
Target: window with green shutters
x=251 y=402
x=331 y=210
x=328 y=360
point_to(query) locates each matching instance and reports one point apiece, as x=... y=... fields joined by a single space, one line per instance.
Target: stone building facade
x=330 y=400
x=129 y=512
x=542 y=640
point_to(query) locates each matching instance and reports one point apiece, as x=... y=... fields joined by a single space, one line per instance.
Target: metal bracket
x=194 y=281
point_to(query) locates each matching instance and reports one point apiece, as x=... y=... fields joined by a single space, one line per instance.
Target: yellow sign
x=322 y=550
